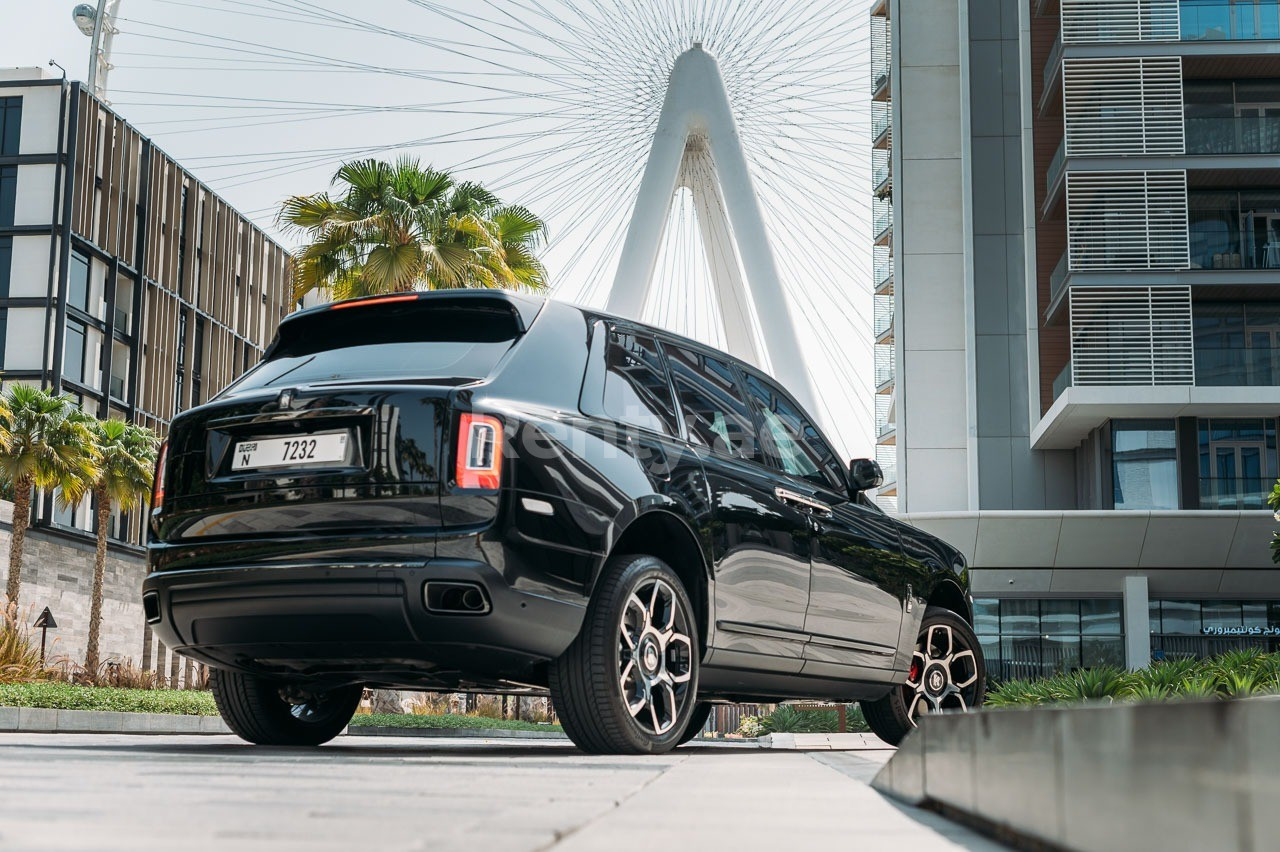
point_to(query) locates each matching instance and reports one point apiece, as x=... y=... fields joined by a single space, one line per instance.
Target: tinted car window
x=367 y=343
x=635 y=383
x=789 y=441
x=711 y=403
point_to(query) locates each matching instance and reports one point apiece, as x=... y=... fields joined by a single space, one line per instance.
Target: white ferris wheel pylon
x=697 y=147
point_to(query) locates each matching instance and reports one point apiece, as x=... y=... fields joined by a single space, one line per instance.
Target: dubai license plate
x=310 y=450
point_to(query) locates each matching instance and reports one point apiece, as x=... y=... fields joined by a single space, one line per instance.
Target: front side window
x=1144 y=464
x=635 y=383
x=789 y=441
x=714 y=411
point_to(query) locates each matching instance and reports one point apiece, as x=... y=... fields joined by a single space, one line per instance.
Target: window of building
x=1144 y=464
x=1238 y=464
x=789 y=441
x=1185 y=629
x=180 y=368
x=8 y=194
x=6 y=264
x=1026 y=638
x=78 y=281
x=197 y=362
x=10 y=126
x=715 y=412
x=635 y=383
x=1237 y=343
x=74 y=352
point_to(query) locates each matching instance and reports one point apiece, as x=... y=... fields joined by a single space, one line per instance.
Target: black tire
x=697 y=719
x=588 y=681
x=932 y=685
x=257 y=709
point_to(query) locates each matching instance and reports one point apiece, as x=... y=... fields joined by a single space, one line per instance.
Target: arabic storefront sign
x=1240 y=631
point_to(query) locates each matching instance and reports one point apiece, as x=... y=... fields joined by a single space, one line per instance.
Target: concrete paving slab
x=445 y=794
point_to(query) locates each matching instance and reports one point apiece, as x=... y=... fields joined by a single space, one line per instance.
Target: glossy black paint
x=320 y=573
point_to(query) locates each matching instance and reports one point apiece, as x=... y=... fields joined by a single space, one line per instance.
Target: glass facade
x=1204 y=628
x=1232 y=117
x=10 y=126
x=1144 y=459
x=8 y=194
x=1237 y=343
x=1030 y=637
x=1229 y=20
x=1234 y=230
x=1237 y=459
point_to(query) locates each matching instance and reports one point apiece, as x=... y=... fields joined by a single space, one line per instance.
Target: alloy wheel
x=655 y=656
x=943 y=674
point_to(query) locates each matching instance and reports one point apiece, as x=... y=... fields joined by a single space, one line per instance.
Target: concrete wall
x=929 y=256
x=57 y=572
x=1181 y=775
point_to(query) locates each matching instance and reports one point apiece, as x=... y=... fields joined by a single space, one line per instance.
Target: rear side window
x=711 y=403
x=431 y=340
x=635 y=383
x=789 y=441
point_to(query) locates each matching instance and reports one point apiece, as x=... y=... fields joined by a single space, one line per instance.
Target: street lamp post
x=99 y=24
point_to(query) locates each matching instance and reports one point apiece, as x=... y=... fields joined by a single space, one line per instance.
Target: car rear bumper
x=366 y=623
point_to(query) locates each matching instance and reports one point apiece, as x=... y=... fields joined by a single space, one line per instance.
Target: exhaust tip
x=151 y=607
x=456 y=598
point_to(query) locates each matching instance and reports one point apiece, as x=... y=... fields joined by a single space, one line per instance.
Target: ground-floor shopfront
x=1060 y=590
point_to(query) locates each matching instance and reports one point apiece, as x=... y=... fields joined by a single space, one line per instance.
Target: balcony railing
x=1056 y=166
x=881 y=216
x=1235 y=492
x=1216 y=244
x=879 y=168
x=882 y=264
x=1237 y=366
x=881 y=115
x=1058 y=277
x=1229 y=20
x=1063 y=381
x=883 y=315
x=1233 y=135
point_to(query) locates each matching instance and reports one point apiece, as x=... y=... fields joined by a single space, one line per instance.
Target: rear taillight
x=479 y=454
x=157 y=488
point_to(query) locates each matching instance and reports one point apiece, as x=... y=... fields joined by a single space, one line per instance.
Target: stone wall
x=57 y=572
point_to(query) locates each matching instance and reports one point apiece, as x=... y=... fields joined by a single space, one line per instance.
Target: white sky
x=549 y=102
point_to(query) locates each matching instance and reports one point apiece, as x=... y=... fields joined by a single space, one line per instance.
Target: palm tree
x=399 y=226
x=45 y=443
x=126 y=458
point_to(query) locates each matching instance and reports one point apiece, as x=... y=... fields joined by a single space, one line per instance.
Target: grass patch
x=66 y=696
x=453 y=720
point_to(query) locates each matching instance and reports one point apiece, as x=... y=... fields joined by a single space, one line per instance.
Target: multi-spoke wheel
x=946 y=673
x=270 y=712
x=629 y=681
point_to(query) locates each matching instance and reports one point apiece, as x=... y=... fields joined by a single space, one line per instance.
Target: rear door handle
x=796 y=499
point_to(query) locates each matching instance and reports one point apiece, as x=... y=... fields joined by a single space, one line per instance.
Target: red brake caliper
x=914 y=674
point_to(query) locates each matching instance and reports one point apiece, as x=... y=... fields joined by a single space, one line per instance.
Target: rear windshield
x=397 y=342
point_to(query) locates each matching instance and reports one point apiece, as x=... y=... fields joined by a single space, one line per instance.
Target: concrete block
x=949 y=762
x=8 y=718
x=1260 y=766
x=1015 y=765
x=213 y=725
x=903 y=776
x=89 y=721
x=135 y=723
x=37 y=719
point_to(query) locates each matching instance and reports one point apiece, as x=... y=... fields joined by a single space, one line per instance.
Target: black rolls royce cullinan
x=478 y=490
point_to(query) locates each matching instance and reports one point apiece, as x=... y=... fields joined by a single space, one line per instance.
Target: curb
x=478 y=733
x=44 y=720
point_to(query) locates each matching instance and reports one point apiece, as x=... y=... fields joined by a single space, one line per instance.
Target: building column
x=1137 y=624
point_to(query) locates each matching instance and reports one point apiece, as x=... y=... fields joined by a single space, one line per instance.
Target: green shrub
x=788 y=720
x=19 y=655
x=66 y=696
x=1231 y=675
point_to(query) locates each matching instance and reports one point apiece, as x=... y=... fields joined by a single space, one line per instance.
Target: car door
x=760 y=542
x=854 y=615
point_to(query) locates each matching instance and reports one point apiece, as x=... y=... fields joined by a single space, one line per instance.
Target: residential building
x=1086 y=320
x=124 y=282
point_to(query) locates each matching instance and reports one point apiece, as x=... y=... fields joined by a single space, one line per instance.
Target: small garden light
x=44 y=622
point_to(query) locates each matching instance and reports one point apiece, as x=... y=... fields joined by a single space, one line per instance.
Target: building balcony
x=1233 y=135
x=1229 y=20
x=881 y=125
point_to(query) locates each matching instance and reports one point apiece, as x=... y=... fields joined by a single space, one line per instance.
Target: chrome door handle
x=788 y=496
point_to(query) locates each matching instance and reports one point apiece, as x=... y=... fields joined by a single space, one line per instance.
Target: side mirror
x=865 y=474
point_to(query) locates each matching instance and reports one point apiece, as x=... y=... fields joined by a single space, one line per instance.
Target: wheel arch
x=667 y=536
x=947 y=593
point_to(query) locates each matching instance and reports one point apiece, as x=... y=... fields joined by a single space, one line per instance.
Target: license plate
x=326 y=448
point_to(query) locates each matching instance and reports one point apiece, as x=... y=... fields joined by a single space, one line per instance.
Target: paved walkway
x=120 y=792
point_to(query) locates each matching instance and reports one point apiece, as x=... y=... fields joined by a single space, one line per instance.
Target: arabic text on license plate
x=285 y=452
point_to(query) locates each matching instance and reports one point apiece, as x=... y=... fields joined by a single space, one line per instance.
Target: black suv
x=475 y=490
